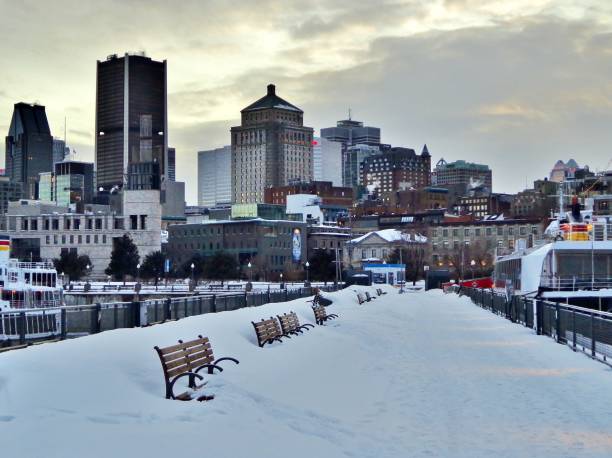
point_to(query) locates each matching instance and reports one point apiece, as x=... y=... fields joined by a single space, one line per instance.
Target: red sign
x=484 y=282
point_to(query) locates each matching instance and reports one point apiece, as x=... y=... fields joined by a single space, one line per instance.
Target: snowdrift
x=404 y=375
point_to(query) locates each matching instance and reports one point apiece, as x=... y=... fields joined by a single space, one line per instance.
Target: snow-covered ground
x=418 y=374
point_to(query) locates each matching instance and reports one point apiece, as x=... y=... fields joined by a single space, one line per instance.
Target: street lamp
x=192 y=267
x=137 y=272
x=87 y=267
x=472 y=264
x=249 y=265
x=281 y=280
x=307 y=271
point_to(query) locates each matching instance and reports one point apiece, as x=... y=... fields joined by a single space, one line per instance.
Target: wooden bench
x=321 y=315
x=368 y=297
x=380 y=292
x=290 y=324
x=187 y=359
x=360 y=298
x=268 y=331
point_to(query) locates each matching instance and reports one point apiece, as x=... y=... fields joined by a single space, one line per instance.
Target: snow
x=417 y=374
x=391 y=235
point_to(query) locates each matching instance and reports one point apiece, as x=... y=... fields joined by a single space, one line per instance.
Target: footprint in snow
x=7 y=418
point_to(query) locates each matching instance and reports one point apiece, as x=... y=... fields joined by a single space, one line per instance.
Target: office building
x=144 y=176
x=350 y=132
x=171 y=175
x=60 y=150
x=28 y=147
x=352 y=164
x=325 y=190
x=9 y=191
x=215 y=176
x=396 y=169
x=271 y=147
x=466 y=174
x=71 y=183
x=40 y=230
x=327 y=161
x=131 y=118
x=270 y=246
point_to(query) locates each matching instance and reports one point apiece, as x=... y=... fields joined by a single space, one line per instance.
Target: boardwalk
x=420 y=374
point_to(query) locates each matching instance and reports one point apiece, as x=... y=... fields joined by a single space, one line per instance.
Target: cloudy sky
x=514 y=84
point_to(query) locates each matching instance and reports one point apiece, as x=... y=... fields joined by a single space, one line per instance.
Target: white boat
x=572 y=266
x=27 y=285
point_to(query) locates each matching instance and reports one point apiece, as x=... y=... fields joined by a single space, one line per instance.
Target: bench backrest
x=185 y=356
x=267 y=330
x=360 y=298
x=368 y=297
x=319 y=312
x=289 y=322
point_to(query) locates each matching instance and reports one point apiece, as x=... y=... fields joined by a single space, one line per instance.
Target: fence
x=27 y=325
x=582 y=329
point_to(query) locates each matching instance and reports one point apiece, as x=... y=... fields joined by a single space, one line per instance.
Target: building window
x=489 y=231
x=143 y=222
x=523 y=230
x=500 y=230
x=466 y=232
x=55 y=224
x=87 y=239
x=133 y=222
x=98 y=223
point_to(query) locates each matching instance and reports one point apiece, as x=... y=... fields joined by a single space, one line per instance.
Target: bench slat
x=181 y=346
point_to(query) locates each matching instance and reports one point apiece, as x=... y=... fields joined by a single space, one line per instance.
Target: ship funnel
x=5 y=248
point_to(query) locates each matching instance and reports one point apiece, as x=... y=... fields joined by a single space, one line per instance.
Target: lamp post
x=87 y=267
x=307 y=271
x=63 y=280
x=192 y=267
x=472 y=264
x=249 y=265
x=281 y=280
x=137 y=272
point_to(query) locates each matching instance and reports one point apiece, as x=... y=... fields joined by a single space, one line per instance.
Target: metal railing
x=585 y=330
x=576 y=282
x=19 y=327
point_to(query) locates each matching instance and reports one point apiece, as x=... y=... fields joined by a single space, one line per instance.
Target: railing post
x=135 y=306
x=539 y=317
x=213 y=303
x=167 y=312
x=558 y=322
x=21 y=328
x=593 y=335
x=96 y=318
x=63 y=323
x=245 y=299
x=573 y=329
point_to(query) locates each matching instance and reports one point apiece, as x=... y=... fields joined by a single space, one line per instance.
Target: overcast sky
x=513 y=84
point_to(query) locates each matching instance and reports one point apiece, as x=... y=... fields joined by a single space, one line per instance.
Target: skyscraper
x=358 y=142
x=327 y=161
x=29 y=147
x=71 y=182
x=60 y=151
x=171 y=164
x=350 y=132
x=271 y=147
x=215 y=176
x=468 y=175
x=131 y=117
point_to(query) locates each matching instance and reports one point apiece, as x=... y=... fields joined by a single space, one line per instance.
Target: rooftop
x=271 y=100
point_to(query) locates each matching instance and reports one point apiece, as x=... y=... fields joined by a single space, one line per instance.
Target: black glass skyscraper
x=131 y=117
x=29 y=147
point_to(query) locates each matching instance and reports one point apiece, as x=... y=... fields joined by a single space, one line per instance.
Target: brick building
x=329 y=194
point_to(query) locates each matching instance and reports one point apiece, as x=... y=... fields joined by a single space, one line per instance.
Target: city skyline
x=494 y=82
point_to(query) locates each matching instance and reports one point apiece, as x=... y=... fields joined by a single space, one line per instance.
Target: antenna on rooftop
x=349 y=113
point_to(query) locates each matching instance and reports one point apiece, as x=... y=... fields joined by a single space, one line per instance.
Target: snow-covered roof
x=392 y=235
